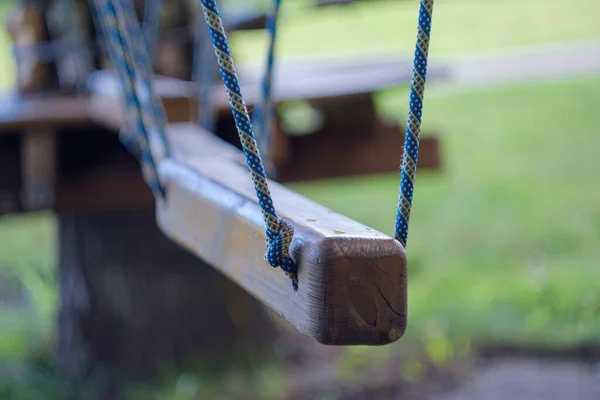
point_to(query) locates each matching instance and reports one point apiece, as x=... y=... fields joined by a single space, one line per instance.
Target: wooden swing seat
x=352 y=279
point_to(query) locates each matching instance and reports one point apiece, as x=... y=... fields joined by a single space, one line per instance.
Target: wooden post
x=38 y=157
x=134 y=303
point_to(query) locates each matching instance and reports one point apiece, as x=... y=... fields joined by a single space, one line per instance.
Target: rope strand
x=152 y=16
x=141 y=109
x=203 y=71
x=413 y=125
x=262 y=116
x=279 y=233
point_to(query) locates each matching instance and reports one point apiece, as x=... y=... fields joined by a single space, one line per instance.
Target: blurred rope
x=146 y=118
x=152 y=17
x=263 y=115
x=203 y=72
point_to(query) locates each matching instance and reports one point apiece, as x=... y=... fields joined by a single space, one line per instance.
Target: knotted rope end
x=278 y=252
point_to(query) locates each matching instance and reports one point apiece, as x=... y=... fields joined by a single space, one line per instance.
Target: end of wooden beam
x=364 y=288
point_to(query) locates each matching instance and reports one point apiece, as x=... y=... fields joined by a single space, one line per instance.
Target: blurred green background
x=505 y=242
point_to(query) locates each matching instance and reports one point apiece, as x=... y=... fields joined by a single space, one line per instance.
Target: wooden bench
x=29 y=160
x=34 y=130
x=351 y=140
x=352 y=279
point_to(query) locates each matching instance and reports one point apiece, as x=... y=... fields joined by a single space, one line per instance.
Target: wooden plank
x=21 y=112
x=352 y=279
x=245 y=22
x=323 y=157
x=105 y=108
x=353 y=140
x=302 y=79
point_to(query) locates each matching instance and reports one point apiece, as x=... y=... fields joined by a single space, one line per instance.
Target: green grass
x=504 y=242
x=7 y=69
x=458 y=26
x=27 y=267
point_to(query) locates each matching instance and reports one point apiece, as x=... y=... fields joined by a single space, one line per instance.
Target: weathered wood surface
x=352 y=279
x=29 y=111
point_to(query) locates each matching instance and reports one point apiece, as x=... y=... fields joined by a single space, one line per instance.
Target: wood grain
x=352 y=279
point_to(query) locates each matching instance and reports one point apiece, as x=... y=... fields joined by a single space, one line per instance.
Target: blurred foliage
x=390 y=25
x=459 y=26
x=7 y=69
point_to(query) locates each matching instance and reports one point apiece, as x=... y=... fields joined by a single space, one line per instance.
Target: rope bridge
x=147 y=132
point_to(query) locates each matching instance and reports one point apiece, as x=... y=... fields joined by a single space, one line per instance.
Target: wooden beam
x=352 y=279
x=23 y=112
x=299 y=79
x=105 y=108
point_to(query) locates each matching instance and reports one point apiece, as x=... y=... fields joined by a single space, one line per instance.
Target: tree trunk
x=132 y=302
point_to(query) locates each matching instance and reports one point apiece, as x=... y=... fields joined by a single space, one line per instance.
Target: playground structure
x=60 y=150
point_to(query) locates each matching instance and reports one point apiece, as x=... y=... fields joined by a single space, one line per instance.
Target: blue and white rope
x=279 y=233
x=413 y=125
x=152 y=17
x=142 y=112
x=203 y=72
x=262 y=116
x=153 y=114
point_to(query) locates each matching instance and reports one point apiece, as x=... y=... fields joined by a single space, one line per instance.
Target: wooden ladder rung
x=352 y=279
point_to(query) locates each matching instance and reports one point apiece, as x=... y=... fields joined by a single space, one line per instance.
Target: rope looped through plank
x=279 y=233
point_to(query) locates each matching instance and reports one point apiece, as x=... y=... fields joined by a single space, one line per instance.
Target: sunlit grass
x=458 y=26
x=7 y=69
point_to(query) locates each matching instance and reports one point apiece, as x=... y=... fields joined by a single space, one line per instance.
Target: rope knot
x=278 y=252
